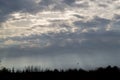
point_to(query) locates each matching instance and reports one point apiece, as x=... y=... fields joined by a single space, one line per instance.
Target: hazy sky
x=60 y=33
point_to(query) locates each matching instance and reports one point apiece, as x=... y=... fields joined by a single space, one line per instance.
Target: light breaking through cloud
x=60 y=33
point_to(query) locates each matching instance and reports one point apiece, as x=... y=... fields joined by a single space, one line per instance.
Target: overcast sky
x=60 y=33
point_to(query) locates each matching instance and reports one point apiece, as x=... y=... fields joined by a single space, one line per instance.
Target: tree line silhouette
x=32 y=73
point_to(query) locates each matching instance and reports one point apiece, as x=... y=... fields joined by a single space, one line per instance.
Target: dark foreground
x=109 y=73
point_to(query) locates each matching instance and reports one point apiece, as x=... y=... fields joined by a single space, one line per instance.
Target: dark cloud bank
x=96 y=49
x=9 y=6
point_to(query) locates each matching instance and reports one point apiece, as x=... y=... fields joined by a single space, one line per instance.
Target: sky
x=60 y=34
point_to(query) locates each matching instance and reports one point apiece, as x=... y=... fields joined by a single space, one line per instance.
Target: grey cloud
x=69 y=2
x=116 y=26
x=78 y=16
x=16 y=5
x=116 y=22
x=9 y=6
x=104 y=42
x=50 y=2
x=46 y=2
x=83 y=5
x=103 y=5
x=96 y=48
x=95 y=22
x=56 y=5
x=116 y=17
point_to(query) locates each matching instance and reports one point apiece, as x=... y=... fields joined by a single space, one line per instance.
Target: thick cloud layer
x=59 y=33
x=10 y=6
